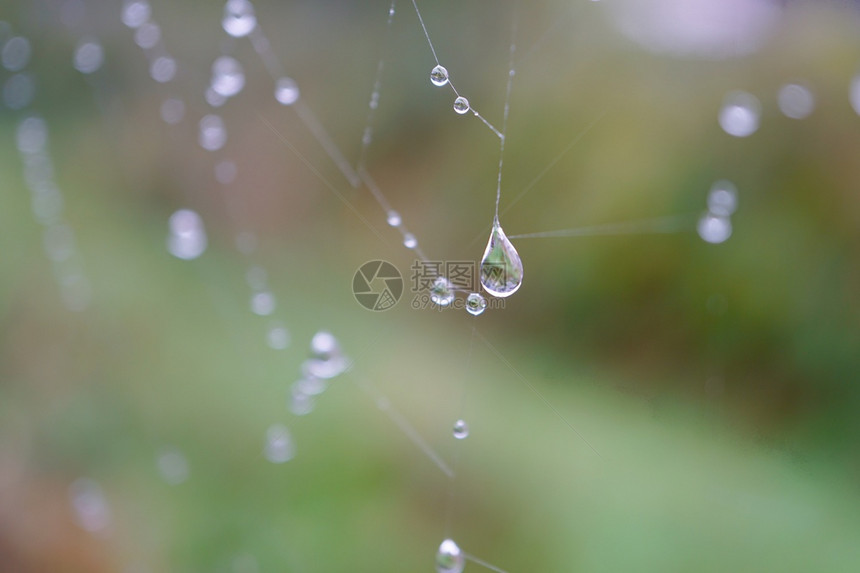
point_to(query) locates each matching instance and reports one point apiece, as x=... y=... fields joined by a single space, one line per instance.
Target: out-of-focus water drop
x=213 y=134
x=740 y=114
x=239 y=19
x=475 y=303
x=442 y=292
x=91 y=508
x=723 y=198
x=409 y=241
x=310 y=384
x=15 y=54
x=327 y=359
x=172 y=110
x=147 y=35
x=461 y=430
x=278 y=337
x=393 y=218
x=163 y=69
x=279 y=446
x=286 y=91
x=89 y=56
x=263 y=303
x=228 y=78
x=32 y=135
x=439 y=76
x=18 y=91
x=135 y=13
x=714 y=228
x=461 y=105
x=449 y=558
x=795 y=101
x=172 y=465
x=300 y=403
x=187 y=238
x=501 y=266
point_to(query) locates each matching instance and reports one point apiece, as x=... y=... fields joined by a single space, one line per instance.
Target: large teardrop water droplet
x=501 y=267
x=449 y=558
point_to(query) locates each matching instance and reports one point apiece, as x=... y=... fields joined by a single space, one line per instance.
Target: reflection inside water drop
x=501 y=267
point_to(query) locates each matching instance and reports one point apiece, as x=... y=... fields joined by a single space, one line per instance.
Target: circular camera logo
x=377 y=285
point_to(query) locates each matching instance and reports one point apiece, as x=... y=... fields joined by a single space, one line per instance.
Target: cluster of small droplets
x=715 y=225
x=476 y=303
x=461 y=430
x=740 y=114
x=442 y=292
x=449 y=558
x=136 y=14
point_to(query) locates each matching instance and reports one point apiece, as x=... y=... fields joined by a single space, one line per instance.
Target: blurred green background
x=712 y=388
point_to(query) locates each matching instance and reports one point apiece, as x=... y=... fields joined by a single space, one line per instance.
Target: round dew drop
x=449 y=558
x=439 y=76
x=239 y=19
x=461 y=105
x=461 y=430
x=442 y=291
x=286 y=91
x=394 y=219
x=475 y=304
x=501 y=266
x=409 y=241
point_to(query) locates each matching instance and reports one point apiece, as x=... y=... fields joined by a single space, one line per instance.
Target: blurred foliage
x=712 y=388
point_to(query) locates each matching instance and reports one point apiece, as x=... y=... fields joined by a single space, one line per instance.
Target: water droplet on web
x=501 y=267
x=740 y=114
x=89 y=56
x=163 y=69
x=409 y=241
x=147 y=35
x=212 y=135
x=278 y=337
x=394 y=218
x=475 y=304
x=286 y=91
x=213 y=98
x=723 y=199
x=263 y=303
x=442 y=291
x=795 y=101
x=187 y=238
x=439 y=76
x=15 y=54
x=172 y=110
x=310 y=384
x=449 y=558
x=18 y=91
x=461 y=430
x=32 y=135
x=172 y=466
x=91 y=508
x=228 y=78
x=300 y=403
x=714 y=228
x=461 y=105
x=327 y=359
x=239 y=19
x=135 y=13
x=279 y=446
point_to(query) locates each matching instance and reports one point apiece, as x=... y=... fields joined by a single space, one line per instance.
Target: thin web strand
x=504 y=133
x=658 y=225
x=483 y=563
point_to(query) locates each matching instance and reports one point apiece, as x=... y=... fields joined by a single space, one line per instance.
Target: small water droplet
x=714 y=228
x=286 y=91
x=135 y=13
x=301 y=404
x=147 y=35
x=475 y=303
x=439 y=76
x=89 y=56
x=213 y=134
x=796 y=101
x=239 y=19
x=409 y=241
x=213 y=98
x=394 y=219
x=16 y=53
x=723 y=199
x=187 y=238
x=228 y=78
x=310 y=384
x=18 y=91
x=461 y=430
x=449 y=558
x=501 y=267
x=32 y=135
x=172 y=111
x=263 y=303
x=163 y=69
x=327 y=359
x=740 y=114
x=461 y=105
x=442 y=291
x=279 y=446
x=278 y=337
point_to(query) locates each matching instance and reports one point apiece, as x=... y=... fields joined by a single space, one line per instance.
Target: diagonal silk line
x=543 y=172
x=327 y=183
x=483 y=563
x=531 y=387
x=657 y=225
